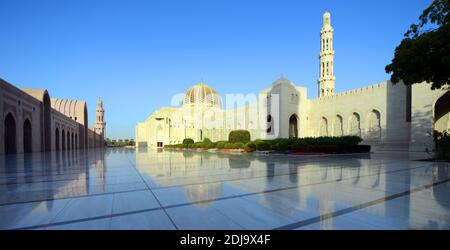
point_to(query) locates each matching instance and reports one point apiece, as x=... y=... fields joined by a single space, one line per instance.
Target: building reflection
x=53 y=175
x=314 y=187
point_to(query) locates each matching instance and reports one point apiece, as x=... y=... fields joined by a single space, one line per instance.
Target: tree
x=424 y=53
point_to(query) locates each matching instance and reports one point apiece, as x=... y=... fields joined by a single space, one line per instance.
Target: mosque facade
x=385 y=115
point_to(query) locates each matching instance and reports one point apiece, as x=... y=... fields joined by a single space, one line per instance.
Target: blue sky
x=137 y=54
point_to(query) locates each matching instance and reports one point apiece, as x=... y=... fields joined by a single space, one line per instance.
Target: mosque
x=387 y=116
x=34 y=122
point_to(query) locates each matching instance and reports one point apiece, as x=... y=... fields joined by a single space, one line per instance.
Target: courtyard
x=150 y=189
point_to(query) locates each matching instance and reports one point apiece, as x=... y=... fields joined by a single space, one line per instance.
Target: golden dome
x=202 y=95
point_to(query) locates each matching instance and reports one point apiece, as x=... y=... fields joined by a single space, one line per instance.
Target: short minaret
x=100 y=124
x=327 y=78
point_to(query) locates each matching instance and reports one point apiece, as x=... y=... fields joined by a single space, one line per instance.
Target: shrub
x=207 y=140
x=188 y=141
x=229 y=145
x=239 y=136
x=262 y=145
x=283 y=145
x=221 y=144
x=250 y=147
x=198 y=145
x=239 y=145
x=329 y=149
x=442 y=140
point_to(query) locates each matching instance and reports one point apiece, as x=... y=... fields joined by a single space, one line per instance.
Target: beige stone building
x=387 y=116
x=31 y=121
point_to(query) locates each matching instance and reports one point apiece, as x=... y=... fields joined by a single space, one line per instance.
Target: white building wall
x=422 y=116
x=361 y=101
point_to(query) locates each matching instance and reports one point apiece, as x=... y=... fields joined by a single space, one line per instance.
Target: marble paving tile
x=86 y=207
x=30 y=214
x=142 y=221
x=133 y=201
x=201 y=216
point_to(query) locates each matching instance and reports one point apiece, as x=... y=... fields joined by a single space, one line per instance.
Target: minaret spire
x=326 y=79
x=100 y=124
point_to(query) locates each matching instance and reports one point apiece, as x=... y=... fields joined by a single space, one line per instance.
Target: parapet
x=354 y=92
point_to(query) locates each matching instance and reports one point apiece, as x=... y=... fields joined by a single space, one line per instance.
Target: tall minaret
x=100 y=124
x=327 y=78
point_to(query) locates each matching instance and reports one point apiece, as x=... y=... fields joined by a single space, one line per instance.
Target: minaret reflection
x=398 y=182
x=278 y=179
x=100 y=168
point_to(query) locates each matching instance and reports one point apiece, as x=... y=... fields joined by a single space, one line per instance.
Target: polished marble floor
x=149 y=189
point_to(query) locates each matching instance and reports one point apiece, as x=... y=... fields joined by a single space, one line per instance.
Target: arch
x=72 y=141
x=27 y=137
x=47 y=122
x=63 y=140
x=355 y=124
x=201 y=134
x=338 y=126
x=374 y=125
x=10 y=134
x=68 y=140
x=85 y=127
x=442 y=113
x=57 y=139
x=293 y=126
x=323 y=127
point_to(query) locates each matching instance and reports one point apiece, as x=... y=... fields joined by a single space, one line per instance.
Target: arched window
x=355 y=124
x=323 y=127
x=374 y=126
x=338 y=129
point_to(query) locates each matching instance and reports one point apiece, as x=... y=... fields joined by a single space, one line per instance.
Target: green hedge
x=250 y=147
x=262 y=145
x=188 y=141
x=239 y=136
x=442 y=140
x=345 y=144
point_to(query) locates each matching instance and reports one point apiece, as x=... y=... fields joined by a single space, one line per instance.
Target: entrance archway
x=57 y=139
x=10 y=135
x=27 y=137
x=63 y=140
x=442 y=113
x=47 y=122
x=68 y=140
x=73 y=143
x=293 y=126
